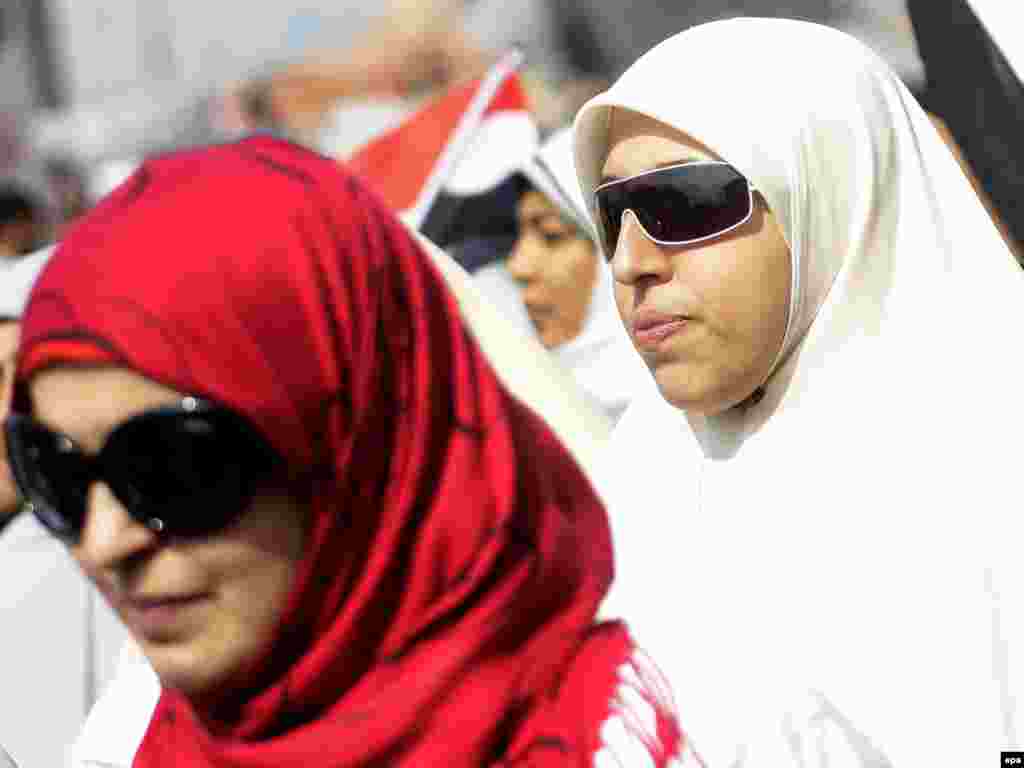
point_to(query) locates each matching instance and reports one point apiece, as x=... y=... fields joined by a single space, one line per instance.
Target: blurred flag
x=460 y=146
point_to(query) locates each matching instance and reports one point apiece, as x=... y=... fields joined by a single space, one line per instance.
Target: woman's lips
x=154 y=616
x=652 y=328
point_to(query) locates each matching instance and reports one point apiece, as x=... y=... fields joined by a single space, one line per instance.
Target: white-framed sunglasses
x=679 y=204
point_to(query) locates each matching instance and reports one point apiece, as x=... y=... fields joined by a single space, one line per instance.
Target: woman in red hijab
x=247 y=402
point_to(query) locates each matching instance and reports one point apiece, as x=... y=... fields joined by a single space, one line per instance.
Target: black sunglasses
x=676 y=205
x=186 y=470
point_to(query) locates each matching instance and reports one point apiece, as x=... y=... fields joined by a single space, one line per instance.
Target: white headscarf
x=826 y=575
x=600 y=357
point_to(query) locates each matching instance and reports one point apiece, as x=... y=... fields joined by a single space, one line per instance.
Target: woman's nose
x=522 y=262
x=110 y=536
x=636 y=255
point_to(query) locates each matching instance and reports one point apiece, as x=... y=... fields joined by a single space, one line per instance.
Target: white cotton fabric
x=829 y=577
x=600 y=357
x=117 y=724
x=524 y=369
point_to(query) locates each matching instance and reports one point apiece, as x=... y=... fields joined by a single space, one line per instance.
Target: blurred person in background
x=406 y=50
x=15 y=284
x=315 y=559
x=69 y=189
x=9 y=500
x=553 y=277
x=423 y=47
x=59 y=639
x=22 y=221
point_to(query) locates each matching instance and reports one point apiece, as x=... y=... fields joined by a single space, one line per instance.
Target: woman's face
x=556 y=266
x=8 y=350
x=204 y=609
x=708 y=318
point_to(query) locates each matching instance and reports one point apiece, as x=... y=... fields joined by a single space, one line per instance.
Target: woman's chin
x=185 y=669
x=685 y=391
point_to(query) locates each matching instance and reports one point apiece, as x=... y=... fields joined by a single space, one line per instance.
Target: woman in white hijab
x=815 y=515
x=553 y=287
x=58 y=639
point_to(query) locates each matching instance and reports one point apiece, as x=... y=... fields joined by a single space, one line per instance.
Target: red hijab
x=444 y=611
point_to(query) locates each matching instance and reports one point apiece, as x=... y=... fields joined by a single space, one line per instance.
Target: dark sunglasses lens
x=195 y=473
x=610 y=207
x=50 y=473
x=676 y=205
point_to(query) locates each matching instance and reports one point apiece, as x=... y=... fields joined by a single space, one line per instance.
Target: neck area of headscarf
x=422 y=628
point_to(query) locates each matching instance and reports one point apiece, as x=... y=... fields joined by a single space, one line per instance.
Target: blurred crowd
x=333 y=96
x=394 y=58
x=355 y=71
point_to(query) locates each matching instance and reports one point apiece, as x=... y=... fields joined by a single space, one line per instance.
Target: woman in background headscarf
x=328 y=526
x=58 y=638
x=824 y=488
x=555 y=287
x=16 y=279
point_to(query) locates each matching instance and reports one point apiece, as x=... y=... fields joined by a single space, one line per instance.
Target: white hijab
x=600 y=357
x=827 y=577
x=58 y=638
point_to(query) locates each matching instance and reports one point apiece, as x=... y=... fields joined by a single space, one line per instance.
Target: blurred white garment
x=16 y=279
x=59 y=641
x=58 y=638
x=117 y=723
x=830 y=576
x=106 y=176
x=601 y=357
x=528 y=374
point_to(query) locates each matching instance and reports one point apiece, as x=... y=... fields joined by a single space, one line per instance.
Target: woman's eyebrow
x=664 y=164
x=542 y=217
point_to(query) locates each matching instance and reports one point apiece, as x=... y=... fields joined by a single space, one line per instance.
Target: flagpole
x=460 y=139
